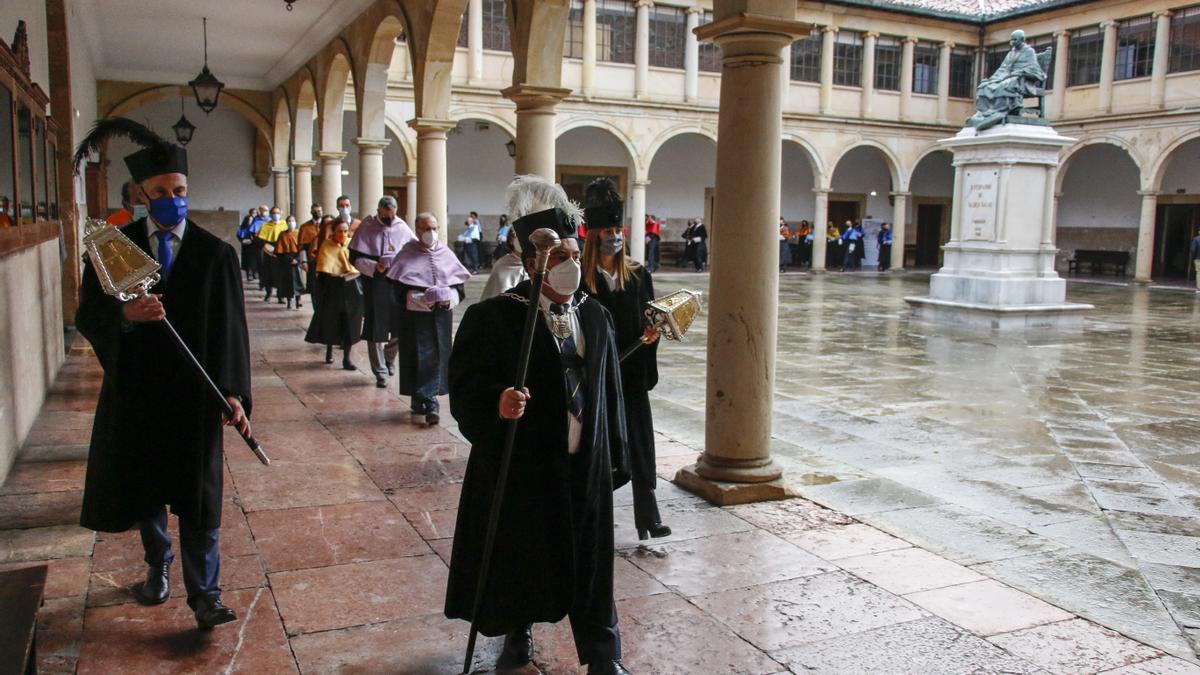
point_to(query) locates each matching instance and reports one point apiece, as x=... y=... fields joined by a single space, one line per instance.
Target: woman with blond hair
x=624 y=287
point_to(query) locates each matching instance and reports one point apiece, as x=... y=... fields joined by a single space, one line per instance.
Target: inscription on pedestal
x=980 y=188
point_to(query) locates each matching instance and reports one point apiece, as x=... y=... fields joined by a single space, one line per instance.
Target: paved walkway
x=334 y=557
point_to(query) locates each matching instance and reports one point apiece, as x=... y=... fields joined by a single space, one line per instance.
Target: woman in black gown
x=337 y=321
x=624 y=287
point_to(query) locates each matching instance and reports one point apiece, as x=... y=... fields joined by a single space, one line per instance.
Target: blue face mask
x=169 y=211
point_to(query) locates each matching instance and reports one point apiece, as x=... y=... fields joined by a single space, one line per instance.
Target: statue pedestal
x=998 y=269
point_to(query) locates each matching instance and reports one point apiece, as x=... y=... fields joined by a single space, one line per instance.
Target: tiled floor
x=335 y=556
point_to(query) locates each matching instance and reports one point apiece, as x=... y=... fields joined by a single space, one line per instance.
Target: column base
x=724 y=493
x=813 y=270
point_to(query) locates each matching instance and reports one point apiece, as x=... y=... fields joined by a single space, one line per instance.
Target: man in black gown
x=554 y=546
x=156 y=441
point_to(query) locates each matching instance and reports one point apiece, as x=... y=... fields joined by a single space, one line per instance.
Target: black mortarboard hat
x=555 y=219
x=602 y=206
x=157 y=156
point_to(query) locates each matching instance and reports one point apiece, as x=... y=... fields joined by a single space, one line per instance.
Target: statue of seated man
x=1021 y=75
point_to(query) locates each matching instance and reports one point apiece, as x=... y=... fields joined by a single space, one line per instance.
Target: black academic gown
x=337 y=311
x=639 y=372
x=157 y=436
x=554 y=545
x=379 y=305
x=424 y=351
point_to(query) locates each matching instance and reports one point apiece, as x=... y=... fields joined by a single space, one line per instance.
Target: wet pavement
x=1066 y=464
x=994 y=505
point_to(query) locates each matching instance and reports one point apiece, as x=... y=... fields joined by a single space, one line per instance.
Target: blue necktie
x=573 y=370
x=164 y=251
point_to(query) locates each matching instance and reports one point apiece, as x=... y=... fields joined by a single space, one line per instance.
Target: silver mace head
x=544 y=240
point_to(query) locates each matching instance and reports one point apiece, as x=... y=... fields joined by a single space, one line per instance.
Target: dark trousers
x=594 y=643
x=471 y=255
x=201 y=555
x=885 y=256
x=653 y=253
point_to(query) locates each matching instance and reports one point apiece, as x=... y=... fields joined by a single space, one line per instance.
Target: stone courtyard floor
x=972 y=503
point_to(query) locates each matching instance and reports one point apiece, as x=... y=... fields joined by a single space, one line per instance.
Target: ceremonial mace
x=671 y=315
x=544 y=240
x=126 y=272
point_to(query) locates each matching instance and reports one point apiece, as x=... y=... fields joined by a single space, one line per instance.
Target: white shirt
x=609 y=279
x=574 y=426
x=152 y=231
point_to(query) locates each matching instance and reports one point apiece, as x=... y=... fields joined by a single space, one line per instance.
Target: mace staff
x=544 y=240
x=126 y=272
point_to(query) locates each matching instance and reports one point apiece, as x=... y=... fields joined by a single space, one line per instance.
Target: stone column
x=1058 y=96
x=535 y=127
x=868 y=74
x=637 y=219
x=736 y=465
x=785 y=78
x=828 y=35
x=410 y=192
x=906 y=76
x=943 y=84
x=691 y=57
x=588 y=77
x=331 y=179
x=1108 y=62
x=899 y=219
x=641 y=49
x=1162 y=48
x=370 y=172
x=302 y=179
x=820 y=216
x=282 y=192
x=431 y=168
x=1143 y=266
x=474 y=41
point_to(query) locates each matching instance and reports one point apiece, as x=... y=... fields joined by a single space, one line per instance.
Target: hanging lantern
x=206 y=86
x=511 y=147
x=183 y=128
x=289 y=4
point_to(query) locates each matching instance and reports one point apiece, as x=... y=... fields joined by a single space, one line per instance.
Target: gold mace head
x=124 y=270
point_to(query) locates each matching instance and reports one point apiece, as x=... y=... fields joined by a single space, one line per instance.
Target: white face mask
x=276 y=217
x=292 y=225
x=344 y=211
x=564 y=278
x=429 y=238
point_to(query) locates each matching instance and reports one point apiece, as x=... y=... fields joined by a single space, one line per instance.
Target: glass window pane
x=710 y=53
x=8 y=183
x=573 y=40
x=806 y=58
x=847 y=59
x=495 y=26
x=668 y=31
x=464 y=39
x=962 y=73
x=887 y=63
x=616 y=30
x=925 y=67
x=1040 y=44
x=25 y=163
x=1083 y=56
x=39 y=168
x=1135 y=48
x=1185 y=40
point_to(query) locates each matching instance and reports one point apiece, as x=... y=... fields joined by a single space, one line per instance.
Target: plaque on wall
x=980 y=189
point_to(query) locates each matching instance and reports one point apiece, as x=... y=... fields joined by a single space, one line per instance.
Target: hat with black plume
x=534 y=203
x=157 y=156
x=602 y=206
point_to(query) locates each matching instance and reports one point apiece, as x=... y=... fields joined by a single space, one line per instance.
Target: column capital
x=640 y=183
x=829 y=29
x=1105 y=25
x=1163 y=12
x=367 y=145
x=690 y=10
x=908 y=39
x=280 y=170
x=1062 y=34
x=300 y=164
x=902 y=195
x=408 y=175
x=429 y=125
x=948 y=44
x=749 y=30
x=648 y=4
x=328 y=155
x=1148 y=194
x=871 y=35
x=822 y=191
x=530 y=97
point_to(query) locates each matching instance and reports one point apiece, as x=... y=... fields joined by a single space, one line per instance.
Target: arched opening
x=588 y=152
x=860 y=191
x=282 y=146
x=1177 y=220
x=375 y=76
x=798 y=202
x=221 y=181
x=395 y=172
x=478 y=169
x=306 y=117
x=682 y=178
x=337 y=82
x=932 y=192
x=1099 y=208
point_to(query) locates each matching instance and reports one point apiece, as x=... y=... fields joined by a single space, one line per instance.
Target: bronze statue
x=1001 y=97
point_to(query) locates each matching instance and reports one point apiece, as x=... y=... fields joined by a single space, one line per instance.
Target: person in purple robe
x=427 y=280
x=376 y=242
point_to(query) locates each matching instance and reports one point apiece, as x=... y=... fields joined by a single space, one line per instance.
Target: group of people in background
x=845 y=246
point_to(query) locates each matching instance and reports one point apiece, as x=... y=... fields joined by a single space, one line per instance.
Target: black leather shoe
x=655 y=530
x=607 y=668
x=391 y=370
x=157 y=587
x=210 y=613
x=518 y=649
x=432 y=419
x=328 y=354
x=347 y=365
x=381 y=382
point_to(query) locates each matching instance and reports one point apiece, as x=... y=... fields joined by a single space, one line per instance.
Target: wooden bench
x=21 y=597
x=1096 y=260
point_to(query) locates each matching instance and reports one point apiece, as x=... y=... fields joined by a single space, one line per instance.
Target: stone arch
x=1064 y=162
x=674 y=196
x=679 y=130
x=339 y=77
x=281 y=147
x=1156 y=172
x=407 y=141
x=814 y=158
x=229 y=99
x=304 y=116
x=640 y=171
x=373 y=98
x=890 y=160
x=924 y=154
x=509 y=127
